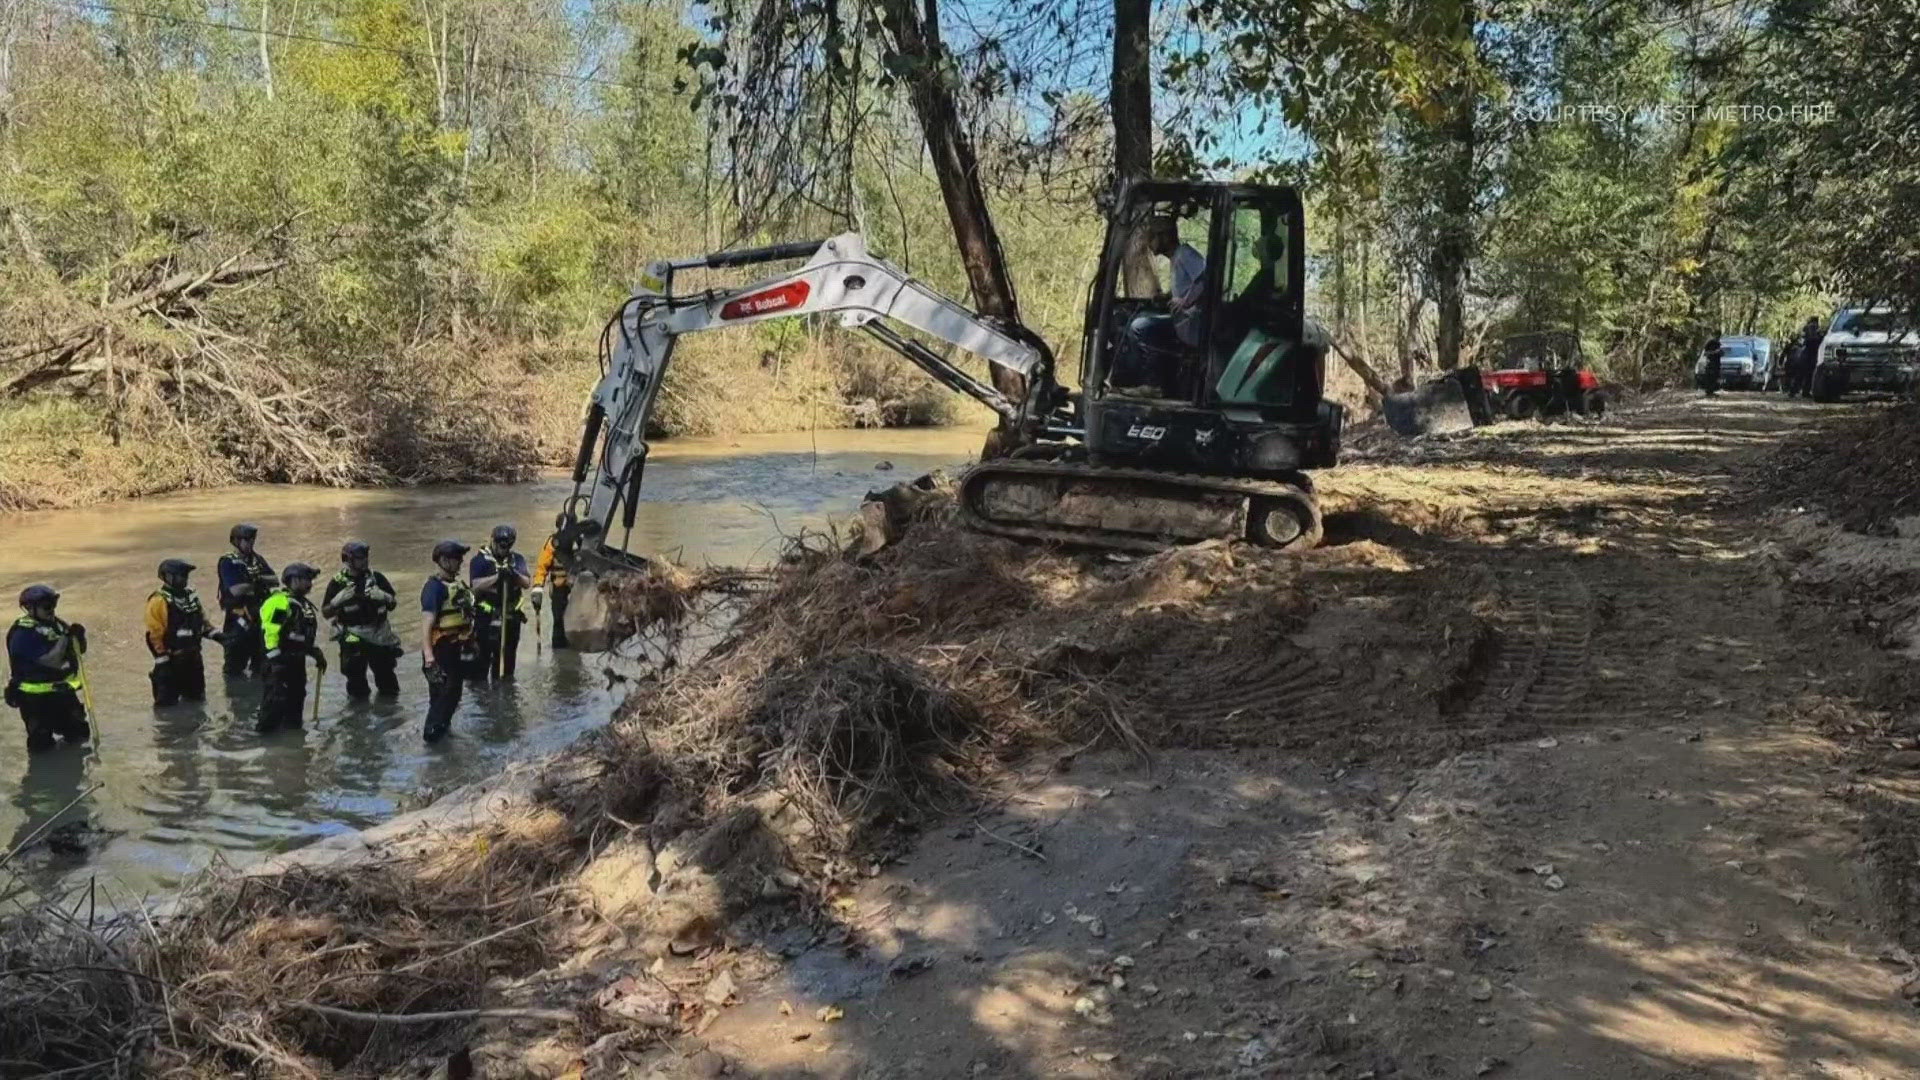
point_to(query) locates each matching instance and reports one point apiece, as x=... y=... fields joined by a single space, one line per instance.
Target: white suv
x=1866 y=348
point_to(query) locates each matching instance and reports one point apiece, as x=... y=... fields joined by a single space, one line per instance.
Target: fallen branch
x=1361 y=368
x=558 y=1016
x=1015 y=844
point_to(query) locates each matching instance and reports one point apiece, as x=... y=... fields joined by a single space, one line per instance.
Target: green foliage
x=452 y=219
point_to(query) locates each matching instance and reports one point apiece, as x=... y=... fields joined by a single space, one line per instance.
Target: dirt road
x=1544 y=786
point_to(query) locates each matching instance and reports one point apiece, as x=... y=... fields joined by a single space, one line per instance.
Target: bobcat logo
x=1203 y=438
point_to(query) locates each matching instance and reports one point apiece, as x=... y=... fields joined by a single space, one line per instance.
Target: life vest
x=67 y=674
x=488 y=600
x=288 y=621
x=359 y=609
x=554 y=567
x=457 y=614
x=185 y=619
x=257 y=573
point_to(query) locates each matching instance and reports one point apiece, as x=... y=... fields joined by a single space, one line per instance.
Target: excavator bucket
x=587 y=615
x=1451 y=403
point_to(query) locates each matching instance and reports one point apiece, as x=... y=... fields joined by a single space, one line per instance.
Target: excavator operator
x=1160 y=341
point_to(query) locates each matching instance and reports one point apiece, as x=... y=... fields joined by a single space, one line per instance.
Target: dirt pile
x=1860 y=473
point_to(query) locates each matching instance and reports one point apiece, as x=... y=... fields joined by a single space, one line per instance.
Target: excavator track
x=1140 y=510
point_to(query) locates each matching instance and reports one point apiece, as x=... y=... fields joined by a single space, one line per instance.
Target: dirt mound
x=1860 y=474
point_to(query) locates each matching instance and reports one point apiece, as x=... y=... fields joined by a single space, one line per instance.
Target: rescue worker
x=498 y=575
x=44 y=655
x=290 y=630
x=1710 y=381
x=553 y=572
x=357 y=600
x=447 y=641
x=1811 y=335
x=245 y=581
x=175 y=624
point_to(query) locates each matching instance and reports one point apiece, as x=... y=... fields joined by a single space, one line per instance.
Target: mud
x=1549 y=765
x=1566 y=756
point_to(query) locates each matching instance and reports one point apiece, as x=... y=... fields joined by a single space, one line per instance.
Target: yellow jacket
x=548 y=564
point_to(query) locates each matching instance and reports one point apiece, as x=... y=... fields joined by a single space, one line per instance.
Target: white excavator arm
x=840 y=277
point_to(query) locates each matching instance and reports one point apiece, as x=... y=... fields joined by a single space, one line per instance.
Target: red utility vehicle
x=1524 y=393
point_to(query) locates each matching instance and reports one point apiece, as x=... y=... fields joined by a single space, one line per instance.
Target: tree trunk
x=916 y=37
x=1453 y=248
x=266 y=58
x=1131 y=103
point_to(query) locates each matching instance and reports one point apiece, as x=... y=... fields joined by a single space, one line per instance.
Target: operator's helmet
x=171 y=567
x=241 y=532
x=504 y=535
x=449 y=549
x=353 y=549
x=296 y=570
x=35 y=595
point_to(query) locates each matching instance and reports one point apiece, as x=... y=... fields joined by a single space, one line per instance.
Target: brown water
x=182 y=786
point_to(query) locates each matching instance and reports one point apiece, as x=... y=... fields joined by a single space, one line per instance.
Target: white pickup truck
x=1867 y=348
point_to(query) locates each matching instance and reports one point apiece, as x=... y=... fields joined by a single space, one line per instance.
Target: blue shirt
x=234 y=571
x=433 y=596
x=24 y=650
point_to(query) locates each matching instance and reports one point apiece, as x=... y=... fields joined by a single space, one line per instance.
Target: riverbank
x=1446 y=794
x=62 y=453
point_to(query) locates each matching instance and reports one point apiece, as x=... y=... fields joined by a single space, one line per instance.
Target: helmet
x=298 y=570
x=449 y=549
x=353 y=549
x=242 y=532
x=34 y=595
x=175 y=566
x=504 y=534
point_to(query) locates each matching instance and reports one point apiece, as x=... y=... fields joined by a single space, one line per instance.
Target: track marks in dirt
x=1215 y=693
x=1535 y=668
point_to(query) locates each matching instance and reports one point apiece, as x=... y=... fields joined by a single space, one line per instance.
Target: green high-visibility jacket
x=288 y=622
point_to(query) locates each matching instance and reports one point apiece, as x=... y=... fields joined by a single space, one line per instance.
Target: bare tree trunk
x=1453 y=248
x=266 y=59
x=1131 y=102
x=916 y=37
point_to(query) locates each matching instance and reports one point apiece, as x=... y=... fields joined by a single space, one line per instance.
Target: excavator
x=1196 y=417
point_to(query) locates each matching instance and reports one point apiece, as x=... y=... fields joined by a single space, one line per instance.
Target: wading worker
x=175 y=624
x=44 y=654
x=499 y=578
x=290 y=629
x=553 y=572
x=447 y=646
x=358 y=600
x=245 y=581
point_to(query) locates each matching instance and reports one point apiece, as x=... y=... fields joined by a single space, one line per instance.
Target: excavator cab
x=1197 y=354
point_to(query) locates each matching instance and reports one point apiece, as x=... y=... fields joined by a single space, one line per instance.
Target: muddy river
x=165 y=792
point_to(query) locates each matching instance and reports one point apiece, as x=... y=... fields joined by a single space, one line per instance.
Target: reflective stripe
x=71 y=682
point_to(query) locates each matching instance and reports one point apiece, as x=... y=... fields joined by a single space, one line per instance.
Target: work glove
x=319 y=660
x=538 y=595
x=79 y=635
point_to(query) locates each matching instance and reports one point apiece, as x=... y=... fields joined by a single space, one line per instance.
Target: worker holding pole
x=46 y=684
x=498 y=576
